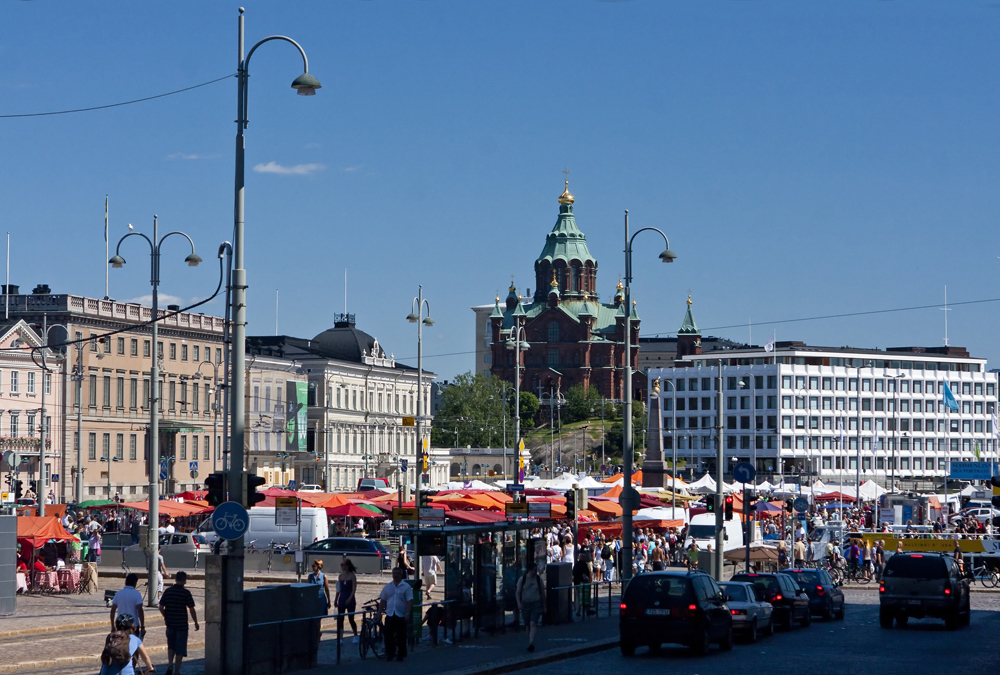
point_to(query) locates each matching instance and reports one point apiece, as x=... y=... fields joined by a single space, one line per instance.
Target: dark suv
x=788 y=598
x=825 y=598
x=675 y=607
x=923 y=584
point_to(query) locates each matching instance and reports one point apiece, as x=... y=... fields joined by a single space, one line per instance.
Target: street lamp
x=673 y=443
x=666 y=256
x=753 y=414
x=517 y=343
x=155 y=245
x=42 y=427
x=108 y=458
x=217 y=388
x=418 y=317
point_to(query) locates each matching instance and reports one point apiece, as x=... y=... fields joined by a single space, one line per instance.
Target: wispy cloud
x=293 y=170
x=163 y=299
x=184 y=155
x=351 y=169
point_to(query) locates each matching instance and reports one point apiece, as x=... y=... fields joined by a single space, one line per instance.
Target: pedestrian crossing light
x=571 y=504
x=216 y=485
x=253 y=481
x=729 y=507
x=710 y=503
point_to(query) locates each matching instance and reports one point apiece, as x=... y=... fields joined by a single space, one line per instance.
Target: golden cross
x=566 y=173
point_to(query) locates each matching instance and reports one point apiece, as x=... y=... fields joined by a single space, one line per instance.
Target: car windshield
x=735 y=592
x=702 y=532
x=769 y=584
x=804 y=577
x=915 y=567
x=658 y=588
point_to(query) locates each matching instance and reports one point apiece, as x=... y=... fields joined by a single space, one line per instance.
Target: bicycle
x=987 y=576
x=857 y=573
x=372 y=632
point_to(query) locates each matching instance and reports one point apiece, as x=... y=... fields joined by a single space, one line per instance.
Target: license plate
x=913 y=602
x=657 y=612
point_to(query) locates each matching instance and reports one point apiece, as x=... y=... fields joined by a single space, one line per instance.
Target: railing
x=588 y=595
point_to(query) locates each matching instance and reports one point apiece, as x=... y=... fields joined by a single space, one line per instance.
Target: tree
x=613 y=439
x=580 y=403
x=529 y=410
x=473 y=412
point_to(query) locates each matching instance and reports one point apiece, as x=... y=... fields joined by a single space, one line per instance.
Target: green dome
x=565 y=242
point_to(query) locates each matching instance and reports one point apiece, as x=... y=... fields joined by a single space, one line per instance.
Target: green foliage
x=529 y=410
x=473 y=412
x=615 y=434
x=580 y=404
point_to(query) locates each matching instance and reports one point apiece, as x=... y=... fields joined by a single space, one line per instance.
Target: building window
x=132 y=447
x=173 y=395
x=47 y=383
x=194 y=397
x=184 y=352
x=196 y=353
x=133 y=347
x=218 y=354
x=184 y=448
x=120 y=447
x=121 y=393
x=31 y=425
x=145 y=348
x=31 y=383
x=92 y=446
x=93 y=342
x=13 y=426
x=107 y=391
x=204 y=453
x=553 y=331
x=133 y=393
x=173 y=351
x=194 y=448
x=184 y=395
x=553 y=357
x=145 y=394
x=106 y=447
x=121 y=346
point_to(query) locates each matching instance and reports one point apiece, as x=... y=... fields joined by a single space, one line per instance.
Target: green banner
x=296 y=416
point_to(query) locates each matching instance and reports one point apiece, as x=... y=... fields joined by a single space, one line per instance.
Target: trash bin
x=557 y=597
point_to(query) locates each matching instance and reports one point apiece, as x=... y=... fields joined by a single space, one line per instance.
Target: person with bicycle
x=959 y=556
x=396 y=601
x=853 y=558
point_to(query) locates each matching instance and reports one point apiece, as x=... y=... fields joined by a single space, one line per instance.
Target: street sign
x=230 y=520
x=971 y=470
x=286 y=511
x=194 y=474
x=431 y=516
x=409 y=421
x=515 y=487
x=801 y=504
x=516 y=509
x=6 y=497
x=404 y=514
x=55 y=478
x=163 y=472
x=193 y=466
x=403 y=464
x=14 y=460
x=291 y=484
x=539 y=509
x=744 y=472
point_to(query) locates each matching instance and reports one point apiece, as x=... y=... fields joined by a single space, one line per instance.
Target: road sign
x=409 y=421
x=286 y=511
x=744 y=472
x=13 y=460
x=230 y=520
x=55 y=478
x=193 y=466
x=194 y=474
x=431 y=516
x=971 y=470
x=515 y=487
x=539 y=509
x=403 y=464
x=801 y=504
x=516 y=509
x=163 y=472
x=404 y=514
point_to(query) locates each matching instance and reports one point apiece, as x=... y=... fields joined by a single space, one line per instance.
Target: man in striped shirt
x=175 y=604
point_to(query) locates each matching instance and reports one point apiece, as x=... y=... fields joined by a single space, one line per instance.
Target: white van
x=702 y=532
x=263 y=531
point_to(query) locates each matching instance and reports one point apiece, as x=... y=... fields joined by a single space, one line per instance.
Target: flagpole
x=6 y=292
x=107 y=295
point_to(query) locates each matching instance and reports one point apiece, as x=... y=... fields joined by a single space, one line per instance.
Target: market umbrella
x=758 y=553
x=354 y=511
x=96 y=503
x=767 y=507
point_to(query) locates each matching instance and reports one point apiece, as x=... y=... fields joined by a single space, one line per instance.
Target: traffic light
x=424 y=501
x=571 y=504
x=216 y=484
x=995 y=482
x=18 y=489
x=253 y=481
x=729 y=507
x=423 y=462
x=710 y=503
x=751 y=499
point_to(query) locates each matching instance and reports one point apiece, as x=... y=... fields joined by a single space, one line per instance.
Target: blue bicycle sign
x=230 y=520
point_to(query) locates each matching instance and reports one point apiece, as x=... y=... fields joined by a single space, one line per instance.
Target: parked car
x=751 y=615
x=180 y=550
x=310 y=488
x=921 y=585
x=368 y=555
x=789 y=600
x=825 y=597
x=681 y=607
x=372 y=483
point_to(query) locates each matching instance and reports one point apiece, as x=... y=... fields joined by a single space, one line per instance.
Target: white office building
x=826 y=412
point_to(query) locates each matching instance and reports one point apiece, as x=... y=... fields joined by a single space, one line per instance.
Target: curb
x=77 y=660
x=520 y=663
x=59 y=629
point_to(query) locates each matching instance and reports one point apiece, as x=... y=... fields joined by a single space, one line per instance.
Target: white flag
x=769 y=345
x=996 y=431
x=875 y=442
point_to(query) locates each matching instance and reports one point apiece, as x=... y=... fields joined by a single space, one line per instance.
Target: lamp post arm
x=243 y=72
x=168 y=234
x=637 y=232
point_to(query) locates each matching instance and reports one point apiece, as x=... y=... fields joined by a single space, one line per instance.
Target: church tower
x=688 y=335
x=565 y=259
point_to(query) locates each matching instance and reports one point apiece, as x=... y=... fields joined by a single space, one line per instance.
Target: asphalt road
x=827 y=648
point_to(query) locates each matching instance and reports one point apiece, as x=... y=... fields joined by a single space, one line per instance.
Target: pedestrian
x=94 y=555
x=175 y=604
x=121 y=646
x=403 y=561
x=161 y=573
x=129 y=601
x=656 y=559
x=692 y=556
x=782 y=555
x=396 y=600
x=430 y=564
x=800 y=553
x=607 y=559
x=347 y=584
x=318 y=577
x=959 y=557
x=530 y=596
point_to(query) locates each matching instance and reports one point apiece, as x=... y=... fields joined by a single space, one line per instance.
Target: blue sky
x=804 y=158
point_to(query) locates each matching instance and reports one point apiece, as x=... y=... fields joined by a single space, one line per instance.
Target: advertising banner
x=296 y=416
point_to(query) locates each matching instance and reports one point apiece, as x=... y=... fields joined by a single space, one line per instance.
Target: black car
x=825 y=598
x=687 y=608
x=788 y=598
x=368 y=555
x=923 y=584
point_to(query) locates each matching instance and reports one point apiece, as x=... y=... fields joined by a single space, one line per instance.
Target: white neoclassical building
x=831 y=412
x=360 y=402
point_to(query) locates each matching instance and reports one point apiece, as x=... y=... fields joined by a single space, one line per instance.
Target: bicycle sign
x=230 y=520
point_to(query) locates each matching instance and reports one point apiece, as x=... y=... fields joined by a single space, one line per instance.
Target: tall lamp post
x=43 y=430
x=155 y=244
x=418 y=317
x=673 y=444
x=217 y=388
x=517 y=343
x=628 y=451
x=306 y=85
x=78 y=378
x=750 y=381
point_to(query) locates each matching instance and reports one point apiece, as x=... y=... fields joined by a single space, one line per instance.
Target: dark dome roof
x=344 y=342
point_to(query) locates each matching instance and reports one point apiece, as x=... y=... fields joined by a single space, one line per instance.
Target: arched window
x=554 y=331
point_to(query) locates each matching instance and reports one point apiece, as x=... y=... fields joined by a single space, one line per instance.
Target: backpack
x=606 y=552
x=116 y=650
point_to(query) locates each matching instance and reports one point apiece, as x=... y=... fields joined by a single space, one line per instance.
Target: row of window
x=13 y=378
x=836 y=361
x=14 y=428
x=827 y=423
x=770 y=442
x=818 y=383
x=120 y=389
x=344 y=397
x=801 y=402
x=194 y=351
x=204 y=453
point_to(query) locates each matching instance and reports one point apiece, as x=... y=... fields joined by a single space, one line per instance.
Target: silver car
x=751 y=615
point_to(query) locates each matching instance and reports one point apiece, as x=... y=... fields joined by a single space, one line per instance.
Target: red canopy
x=37 y=530
x=169 y=508
x=477 y=517
x=352 y=510
x=835 y=497
x=193 y=494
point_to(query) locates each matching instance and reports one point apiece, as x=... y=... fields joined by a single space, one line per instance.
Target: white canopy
x=589 y=482
x=661 y=513
x=870 y=490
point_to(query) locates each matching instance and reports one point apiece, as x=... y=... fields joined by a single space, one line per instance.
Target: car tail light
x=881 y=588
x=777 y=596
x=692 y=608
x=947 y=591
x=820 y=589
x=916 y=556
x=736 y=612
x=622 y=609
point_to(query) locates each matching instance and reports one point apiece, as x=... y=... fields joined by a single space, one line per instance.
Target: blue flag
x=949 y=399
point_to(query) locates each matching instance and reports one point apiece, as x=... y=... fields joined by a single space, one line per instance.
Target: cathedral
x=572 y=337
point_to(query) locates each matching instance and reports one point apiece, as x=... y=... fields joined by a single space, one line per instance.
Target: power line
x=116 y=105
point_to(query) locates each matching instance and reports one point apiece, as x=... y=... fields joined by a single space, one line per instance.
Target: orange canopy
x=636 y=477
x=605 y=509
x=616 y=491
x=169 y=508
x=39 y=529
x=332 y=501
